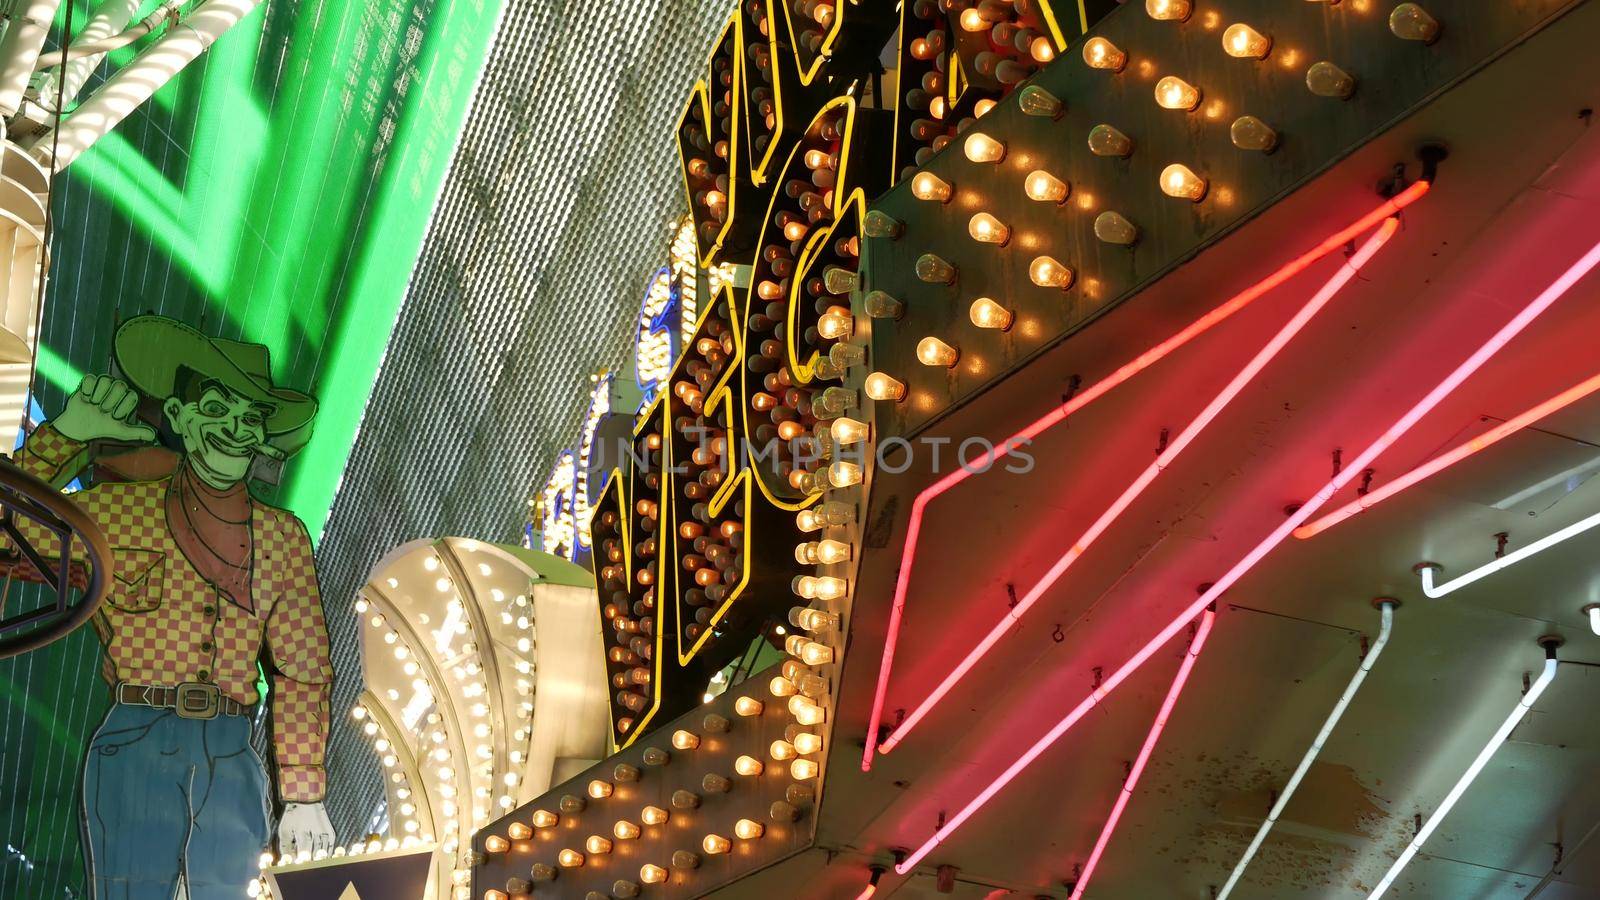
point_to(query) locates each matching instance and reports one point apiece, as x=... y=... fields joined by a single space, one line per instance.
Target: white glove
x=304 y=828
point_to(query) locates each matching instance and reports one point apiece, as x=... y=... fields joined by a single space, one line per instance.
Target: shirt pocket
x=139 y=577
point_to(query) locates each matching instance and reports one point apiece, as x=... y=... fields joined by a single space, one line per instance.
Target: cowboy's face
x=221 y=433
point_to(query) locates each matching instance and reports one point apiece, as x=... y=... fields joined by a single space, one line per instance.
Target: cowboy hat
x=149 y=351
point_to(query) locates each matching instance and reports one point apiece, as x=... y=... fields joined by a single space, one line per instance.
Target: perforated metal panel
x=557 y=210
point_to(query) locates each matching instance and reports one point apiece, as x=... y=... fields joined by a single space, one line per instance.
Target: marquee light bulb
x=1105 y=140
x=1243 y=42
x=1041 y=49
x=802 y=769
x=1328 y=80
x=1168 y=10
x=1100 y=53
x=748 y=829
x=815 y=619
x=599 y=789
x=986 y=313
x=1178 y=180
x=880 y=224
x=1045 y=271
x=844 y=474
x=1036 y=101
x=880 y=305
x=569 y=859
x=781 y=687
x=715 y=844
x=816 y=654
x=650 y=873
x=933 y=352
x=830 y=551
x=1413 y=23
x=597 y=845
x=653 y=815
x=1114 y=228
x=972 y=20
x=928 y=186
x=981 y=148
x=748 y=706
x=685 y=740
x=835 y=325
x=884 y=387
x=839 y=280
x=1044 y=187
x=846 y=430
x=1173 y=92
x=748 y=766
x=625 y=830
x=986 y=229
x=494 y=843
x=933 y=269
x=543 y=818
x=806 y=711
x=807 y=743
x=1250 y=133
x=782 y=751
x=517 y=831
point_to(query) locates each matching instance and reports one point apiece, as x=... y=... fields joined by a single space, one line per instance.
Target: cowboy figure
x=211 y=586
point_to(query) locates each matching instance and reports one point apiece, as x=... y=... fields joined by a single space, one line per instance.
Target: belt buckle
x=198 y=700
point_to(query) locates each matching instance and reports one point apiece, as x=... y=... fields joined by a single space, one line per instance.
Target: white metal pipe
x=26 y=28
x=107 y=30
x=134 y=83
x=1386 y=608
x=1471 y=774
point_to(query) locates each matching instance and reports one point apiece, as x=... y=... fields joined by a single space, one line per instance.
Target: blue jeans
x=165 y=796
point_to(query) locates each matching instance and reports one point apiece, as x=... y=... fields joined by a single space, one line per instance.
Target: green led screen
x=276 y=191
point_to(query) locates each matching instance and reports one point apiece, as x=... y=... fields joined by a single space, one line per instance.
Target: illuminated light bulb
x=807 y=743
x=813 y=653
x=1044 y=187
x=972 y=20
x=748 y=706
x=814 y=619
x=934 y=269
x=806 y=711
x=933 y=352
x=1328 y=80
x=835 y=325
x=569 y=859
x=982 y=107
x=839 y=280
x=884 y=387
x=1168 y=10
x=685 y=740
x=361 y=603
x=802 y=769
x=650 y=873
x=878 y=223
x=1113 y=228
x=1036 y=101
x=1178 y=180
x=1045 y=271
x=928 y=186
x=599 y=789
x=1107 y=141
x=846 y=430
x=748 y=829
x=748 y=765
x=781 y=687
x=653 y=815
x=625 y=830
x=1100 y=53
x=358 y=713
x=494 y=843
x=880 y=305
x=1413 y=23
x=782 y=751
x=715 y=844
x=1173 y=92
x=1250 y=133
x=490 y=894
x=987 y=229
x=844 y=474
x=430 y=562
x=1243 y=42
x=981 y=148
x=986 y=313
x=597 y=845
x=519 y=831
x=830 y=552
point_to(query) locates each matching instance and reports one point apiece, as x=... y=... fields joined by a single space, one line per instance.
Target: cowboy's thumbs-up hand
x=102 y=408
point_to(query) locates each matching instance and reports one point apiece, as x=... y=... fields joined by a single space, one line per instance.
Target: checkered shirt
x=162 y=624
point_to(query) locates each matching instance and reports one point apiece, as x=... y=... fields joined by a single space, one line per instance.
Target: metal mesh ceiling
x=557 y=209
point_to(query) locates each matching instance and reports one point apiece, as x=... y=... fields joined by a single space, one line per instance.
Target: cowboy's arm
x=297 y=639
x=101 y=407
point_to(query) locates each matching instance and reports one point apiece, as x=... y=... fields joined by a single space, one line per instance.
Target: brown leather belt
x=190 y=700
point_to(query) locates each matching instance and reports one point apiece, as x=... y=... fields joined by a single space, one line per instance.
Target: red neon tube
x=1132 y=781
x=1240 y=381
x=1483 y=441
x=867 y=891
x=1443 y=389
x=1056 y=416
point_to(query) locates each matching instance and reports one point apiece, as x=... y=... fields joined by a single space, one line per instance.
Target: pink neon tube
x=1240 y=381
x=1483 y=441
x=1443 y=389
x=1132 y=781
x=1058 y=415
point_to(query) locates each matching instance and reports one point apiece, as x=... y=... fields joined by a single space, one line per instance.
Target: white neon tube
x=1594 y=617
x=1467 y=777
x=1510 y=559
x=1387 y=609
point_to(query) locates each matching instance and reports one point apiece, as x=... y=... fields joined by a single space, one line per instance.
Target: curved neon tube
x=1311 y=754
x=1100 y=388
x=1149 y=747
x=1483 y=441
x=1594 y=619
x=1510 y=559
x=1242 y=379
x=1465 y=781
x=1443 y=389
